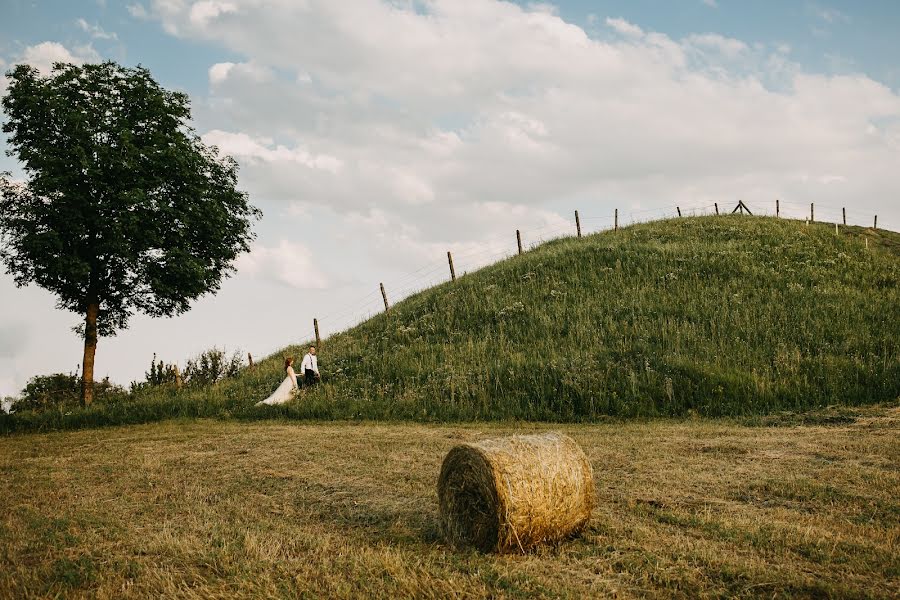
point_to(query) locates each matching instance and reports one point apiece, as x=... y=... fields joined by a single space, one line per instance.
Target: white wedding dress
x=285 y=391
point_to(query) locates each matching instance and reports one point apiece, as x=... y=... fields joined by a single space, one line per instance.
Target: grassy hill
x=714 y=316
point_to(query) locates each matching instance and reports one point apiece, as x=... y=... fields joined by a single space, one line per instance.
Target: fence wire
x=497 y=248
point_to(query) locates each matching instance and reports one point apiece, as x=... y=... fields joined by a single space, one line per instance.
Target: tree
x=124 y=209
x=44 y=392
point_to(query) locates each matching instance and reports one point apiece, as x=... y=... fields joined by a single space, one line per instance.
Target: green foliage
x=62 y=390
x=714 y=316
x=125 y=209
x=211 y=367
x=159 y=374
x=123 y=201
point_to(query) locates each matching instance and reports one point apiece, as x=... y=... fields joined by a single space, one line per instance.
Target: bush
x=44 y=392
x=211 y=366
x=160 y=373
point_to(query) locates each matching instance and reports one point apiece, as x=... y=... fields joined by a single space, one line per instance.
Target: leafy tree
x=61 y=389
x=125 y=209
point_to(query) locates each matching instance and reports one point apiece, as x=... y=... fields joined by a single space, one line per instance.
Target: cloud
x=828 y=14
x=95 y=31
x=393 y=241
x=711 y=3
x=138 y=11
x=729 y=47
x=246 y=72
x=289 y=263
x=203 y=12
x=42 y=56
x=477 y=102
x=264 y=149
x=219 y=72
x=624 y=27
x=13 y=339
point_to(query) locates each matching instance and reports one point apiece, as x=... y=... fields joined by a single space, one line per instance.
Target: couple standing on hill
x=310 y=370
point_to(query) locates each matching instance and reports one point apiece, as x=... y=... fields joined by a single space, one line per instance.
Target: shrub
x=57 y=390
x=211 y=366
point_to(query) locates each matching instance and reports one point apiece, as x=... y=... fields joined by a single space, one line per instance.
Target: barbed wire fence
x=491 y=250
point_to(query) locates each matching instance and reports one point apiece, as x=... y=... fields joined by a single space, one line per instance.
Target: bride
x=287 y=388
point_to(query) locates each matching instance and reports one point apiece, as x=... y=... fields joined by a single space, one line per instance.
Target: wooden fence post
x=384 y=297
x=844 y=211
x=519 y=240
x=716 y=204
x=452 y=270
x=616 y=226
x=678 y=208
x=577 y=223
x=835 y=229
x=876 y=223
x=250 y=359
x=777 y=208
x=812 y=212
x=316 y=328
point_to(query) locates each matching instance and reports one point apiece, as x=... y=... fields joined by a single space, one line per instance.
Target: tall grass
x=715 y=316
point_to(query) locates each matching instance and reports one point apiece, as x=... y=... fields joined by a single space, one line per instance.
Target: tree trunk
x=90 y=347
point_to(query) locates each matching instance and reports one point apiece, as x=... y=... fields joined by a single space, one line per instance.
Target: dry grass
x=224 y=509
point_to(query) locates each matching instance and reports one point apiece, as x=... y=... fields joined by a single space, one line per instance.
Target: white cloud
x=246 y=72
x=543 y=7
x=265 y=150
x=711 y=3
x=208 y=10
x=827 y=179
x=288 y=263
x=829 y=15
x=95 y=31
x=624 y=27
x=219 y=72
x=490 y=101
x=392 y=240
x=729 y=47
x=138 y=11
x=43 y=55
x=13 y=338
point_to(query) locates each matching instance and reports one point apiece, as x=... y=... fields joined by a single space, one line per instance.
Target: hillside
x=714 y=316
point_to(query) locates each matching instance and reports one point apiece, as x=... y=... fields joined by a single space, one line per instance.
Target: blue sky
x=832 y=37
x=377 y=135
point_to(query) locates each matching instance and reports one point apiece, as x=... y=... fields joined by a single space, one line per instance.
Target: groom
x=310 y=368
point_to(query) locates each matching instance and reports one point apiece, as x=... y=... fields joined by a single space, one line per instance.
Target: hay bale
x=511 y=494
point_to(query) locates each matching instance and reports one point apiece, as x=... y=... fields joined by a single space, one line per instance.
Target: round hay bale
x=511 y=494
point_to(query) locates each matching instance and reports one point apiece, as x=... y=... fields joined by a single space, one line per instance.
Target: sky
x=378 y=135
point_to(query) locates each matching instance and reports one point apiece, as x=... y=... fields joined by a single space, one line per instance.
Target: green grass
x=716 y=316
x=694 y=508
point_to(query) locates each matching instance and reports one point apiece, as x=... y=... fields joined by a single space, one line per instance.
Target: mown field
x=714 y=316
x=808 y=507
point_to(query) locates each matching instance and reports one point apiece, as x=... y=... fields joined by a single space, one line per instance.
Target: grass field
x=716 y=316
x=216 y=509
